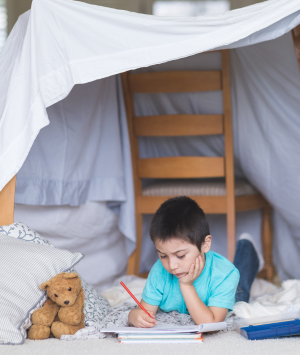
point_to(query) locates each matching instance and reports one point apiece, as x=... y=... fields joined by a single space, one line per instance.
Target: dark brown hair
x=180 y=217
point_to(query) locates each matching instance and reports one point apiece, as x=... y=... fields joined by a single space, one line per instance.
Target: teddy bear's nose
x=66 y=302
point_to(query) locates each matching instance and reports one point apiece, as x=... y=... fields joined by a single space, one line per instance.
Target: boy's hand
x=194 y=272
x=138 y=318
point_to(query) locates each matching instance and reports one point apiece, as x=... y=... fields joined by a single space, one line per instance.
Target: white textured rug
x=266 y=298
x=220 y=343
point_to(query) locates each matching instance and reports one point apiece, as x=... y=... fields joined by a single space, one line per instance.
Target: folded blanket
x=118 y=317
x=265 y=299
x=117 y=294
x=122 y=304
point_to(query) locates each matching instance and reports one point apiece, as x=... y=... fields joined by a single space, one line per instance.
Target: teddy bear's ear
x=44 y=285
x=70 y=275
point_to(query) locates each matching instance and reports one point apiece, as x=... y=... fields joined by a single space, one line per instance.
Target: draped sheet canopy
x=61 y=43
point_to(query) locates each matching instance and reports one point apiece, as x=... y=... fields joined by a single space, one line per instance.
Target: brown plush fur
x=62 y=313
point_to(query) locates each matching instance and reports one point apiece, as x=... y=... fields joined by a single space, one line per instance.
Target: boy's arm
x=138 y=318
x=199 y=312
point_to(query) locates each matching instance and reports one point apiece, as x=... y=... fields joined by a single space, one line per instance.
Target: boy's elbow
x=202 y=320
x=219 y=315
x=211 y=317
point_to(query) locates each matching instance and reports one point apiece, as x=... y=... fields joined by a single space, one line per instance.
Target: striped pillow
x=23 y=268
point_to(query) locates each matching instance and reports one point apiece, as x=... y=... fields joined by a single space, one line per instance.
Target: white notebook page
x=207 y=327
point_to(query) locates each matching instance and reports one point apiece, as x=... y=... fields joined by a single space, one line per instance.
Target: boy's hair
x=180 y=217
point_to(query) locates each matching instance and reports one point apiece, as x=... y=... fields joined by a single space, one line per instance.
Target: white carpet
x=263 y=293
x=219 y=343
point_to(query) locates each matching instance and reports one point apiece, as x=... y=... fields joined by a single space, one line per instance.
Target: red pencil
x=122 y=283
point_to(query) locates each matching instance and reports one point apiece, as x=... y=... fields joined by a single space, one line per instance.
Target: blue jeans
x=246 y=261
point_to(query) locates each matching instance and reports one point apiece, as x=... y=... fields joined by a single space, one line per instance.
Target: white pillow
x=96 y=307
x=21 y=231
x=23 y=268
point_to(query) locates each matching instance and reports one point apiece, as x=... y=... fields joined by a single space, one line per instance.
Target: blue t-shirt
x=216 y=286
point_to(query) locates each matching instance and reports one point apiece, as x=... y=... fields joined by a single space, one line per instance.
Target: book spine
x=160 y=336
x=144 y=341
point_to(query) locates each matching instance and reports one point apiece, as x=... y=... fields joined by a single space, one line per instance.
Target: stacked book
x=132 y=338
x=164 y=334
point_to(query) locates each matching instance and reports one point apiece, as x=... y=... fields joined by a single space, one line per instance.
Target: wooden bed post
x=268 y=270
x=7 y=202
x=296 y=38
x=134 y=260
x=229 y=161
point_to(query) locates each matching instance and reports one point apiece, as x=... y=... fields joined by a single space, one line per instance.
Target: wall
x=236 y=4
x=14 y=9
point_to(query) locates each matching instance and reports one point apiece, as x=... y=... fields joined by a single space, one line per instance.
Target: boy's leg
x=248 y=261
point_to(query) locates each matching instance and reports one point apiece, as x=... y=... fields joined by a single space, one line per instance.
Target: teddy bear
x=62 y=313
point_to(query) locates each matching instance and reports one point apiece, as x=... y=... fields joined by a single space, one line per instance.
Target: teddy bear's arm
x=46 y=314
x=73 y=315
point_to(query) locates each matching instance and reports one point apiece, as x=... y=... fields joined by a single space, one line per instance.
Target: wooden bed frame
x=189 y=167
x=296 y=38
x=7 y=203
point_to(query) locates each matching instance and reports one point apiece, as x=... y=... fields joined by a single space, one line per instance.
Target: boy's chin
x=179 y=276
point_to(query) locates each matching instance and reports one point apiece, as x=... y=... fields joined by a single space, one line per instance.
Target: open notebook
x=161 y=329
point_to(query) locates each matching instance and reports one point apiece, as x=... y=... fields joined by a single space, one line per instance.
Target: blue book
x=271 y=330
x=274 y=326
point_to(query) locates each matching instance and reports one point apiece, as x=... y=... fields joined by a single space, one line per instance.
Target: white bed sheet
x=265 y=91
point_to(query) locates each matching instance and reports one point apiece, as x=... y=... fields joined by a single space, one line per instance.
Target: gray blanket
x=118 y=317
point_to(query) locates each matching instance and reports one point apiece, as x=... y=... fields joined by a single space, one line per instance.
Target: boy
x=188 y=277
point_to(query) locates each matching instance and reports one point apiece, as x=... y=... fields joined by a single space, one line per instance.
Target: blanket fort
x=61 y=43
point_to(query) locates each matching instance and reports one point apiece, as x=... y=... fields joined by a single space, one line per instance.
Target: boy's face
x=177 y=255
